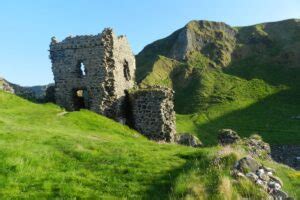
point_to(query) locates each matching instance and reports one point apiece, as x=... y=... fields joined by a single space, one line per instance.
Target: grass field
x=47 y=153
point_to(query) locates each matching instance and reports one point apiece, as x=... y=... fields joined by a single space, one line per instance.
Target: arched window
x=126 y=70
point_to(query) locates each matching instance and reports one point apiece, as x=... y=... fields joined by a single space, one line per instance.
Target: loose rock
x=247 y=164
x=252 y=176
x=257 y=147
x=227 y=136
x=262 y=176
x=188 y=140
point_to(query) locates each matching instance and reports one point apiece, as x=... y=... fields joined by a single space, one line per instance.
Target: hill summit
x=223 y=44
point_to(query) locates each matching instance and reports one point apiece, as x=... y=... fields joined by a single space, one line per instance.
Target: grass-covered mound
x=47 y=153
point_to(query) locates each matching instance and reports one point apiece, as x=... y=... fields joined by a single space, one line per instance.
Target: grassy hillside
x=245 y=78
x=47 y=153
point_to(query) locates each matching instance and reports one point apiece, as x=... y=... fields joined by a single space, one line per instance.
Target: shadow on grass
x=163 y=187
x=274 y=118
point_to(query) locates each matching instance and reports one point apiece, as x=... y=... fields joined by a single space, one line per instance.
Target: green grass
x=77 y=155
x=207 y=176
x=49 y=154
x=270 y=118
x=217 y=100
x=257 y=91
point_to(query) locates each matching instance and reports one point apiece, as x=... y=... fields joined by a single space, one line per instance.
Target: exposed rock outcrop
x=228 y=136
x=5 y=86
x=263 y=176
x=256 y=147
x=215 y=40
x=188 y=139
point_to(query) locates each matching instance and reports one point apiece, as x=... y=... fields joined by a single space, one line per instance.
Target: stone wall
x=153 y=113
x=109 y=69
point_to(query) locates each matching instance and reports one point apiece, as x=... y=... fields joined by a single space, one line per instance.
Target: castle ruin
x=93 y=72
x=98 y=73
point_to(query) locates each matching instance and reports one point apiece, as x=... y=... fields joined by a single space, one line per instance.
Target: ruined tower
x=98 y=73
x=93 y=72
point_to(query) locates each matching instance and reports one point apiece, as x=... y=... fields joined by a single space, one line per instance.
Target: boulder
x=247 y=164
x=274 y=185
x=252 y=176
x=276 y=179
x=280 y=195
x=268 y=169
x=227 y=136
x=188 y=140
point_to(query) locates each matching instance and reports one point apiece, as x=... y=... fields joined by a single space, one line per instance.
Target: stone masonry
x=93 y=72
x=96 y=73
x=153 y=113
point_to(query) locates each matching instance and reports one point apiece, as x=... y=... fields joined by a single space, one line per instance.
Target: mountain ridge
x=38 y=93
x=230 y=50
x=167 y=45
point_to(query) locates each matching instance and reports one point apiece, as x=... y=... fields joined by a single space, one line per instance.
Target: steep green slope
x=47 y=153
x=245 y=78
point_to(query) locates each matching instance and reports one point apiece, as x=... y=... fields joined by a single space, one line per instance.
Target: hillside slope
x=245 y=78
x=47 y=153
x=39 y=93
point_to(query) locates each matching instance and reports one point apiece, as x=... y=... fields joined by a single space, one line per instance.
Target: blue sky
x=27 y=26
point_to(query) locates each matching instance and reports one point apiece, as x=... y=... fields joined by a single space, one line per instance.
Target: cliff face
x=215 y=40
x=218 y=41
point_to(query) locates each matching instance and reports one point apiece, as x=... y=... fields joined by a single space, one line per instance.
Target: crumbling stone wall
x=109 y=69
x=153 y=113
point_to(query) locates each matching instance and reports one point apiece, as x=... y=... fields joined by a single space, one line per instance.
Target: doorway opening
x=80 y=99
